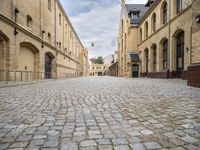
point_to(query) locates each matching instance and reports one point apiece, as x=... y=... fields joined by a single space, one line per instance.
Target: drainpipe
x=190 y=45
x=55 y=24
x=169 y=37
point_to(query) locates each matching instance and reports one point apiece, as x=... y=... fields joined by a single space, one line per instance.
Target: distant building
x=98 y=69
x=115 y=56
x=109 y=59
x=113 y=69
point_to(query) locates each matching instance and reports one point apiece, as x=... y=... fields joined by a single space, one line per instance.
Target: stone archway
x=179 y=46
x=146 y=51
x=4 y=52
x=28 y=58
x=48 y=65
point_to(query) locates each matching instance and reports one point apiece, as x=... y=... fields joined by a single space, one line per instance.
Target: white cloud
x=101 y=26
x=98 y=21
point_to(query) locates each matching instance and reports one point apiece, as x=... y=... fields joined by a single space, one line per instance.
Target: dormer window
x=134 y=14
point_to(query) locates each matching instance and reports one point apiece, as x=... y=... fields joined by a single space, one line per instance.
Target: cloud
x=96 y=21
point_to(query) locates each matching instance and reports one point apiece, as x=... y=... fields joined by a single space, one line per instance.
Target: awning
x=134 y=57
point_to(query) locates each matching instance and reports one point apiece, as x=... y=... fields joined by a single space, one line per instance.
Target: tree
x=99 y=60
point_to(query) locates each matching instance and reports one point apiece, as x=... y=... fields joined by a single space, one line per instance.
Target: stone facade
x=194 y=68
x=113 y=69
x=38 y=37
x=162 y=37
x=84 y=63
x=98 y=69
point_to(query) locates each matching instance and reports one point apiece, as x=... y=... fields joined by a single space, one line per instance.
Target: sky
x=96 y=21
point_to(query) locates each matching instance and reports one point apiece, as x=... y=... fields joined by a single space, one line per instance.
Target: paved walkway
x=103 y=113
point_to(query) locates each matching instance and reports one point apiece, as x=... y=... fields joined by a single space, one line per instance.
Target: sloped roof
x=141 y=7
x=134 y=57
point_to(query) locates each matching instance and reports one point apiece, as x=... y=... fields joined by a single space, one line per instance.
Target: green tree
x=99 y=60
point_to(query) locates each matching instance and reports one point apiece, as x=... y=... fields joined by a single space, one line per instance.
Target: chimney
x=149 y=3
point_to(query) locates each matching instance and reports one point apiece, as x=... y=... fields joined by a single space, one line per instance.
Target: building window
x=140 y=34
x=49 y=38
x=146 y=30
x=165 y=54
x=49 y=5
x=164 y=13
x=66 y=27
x=154 y=58
x=154 y=23
x=70 y=34
x=60 y=18
x=179 y=4
x=60 y=45
x=29 y=21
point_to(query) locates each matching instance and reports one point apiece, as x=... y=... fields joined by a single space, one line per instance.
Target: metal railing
x=16 y=76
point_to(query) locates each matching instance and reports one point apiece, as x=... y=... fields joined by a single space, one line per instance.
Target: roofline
x=156 y=2
x=67 y=18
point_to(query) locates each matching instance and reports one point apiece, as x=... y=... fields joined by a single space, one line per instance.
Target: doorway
x=135 y=71
x=48 y=66
x=147 y=60
x=180 y=55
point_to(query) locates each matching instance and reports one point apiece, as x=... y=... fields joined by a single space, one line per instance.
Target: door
x=180 y=55
x=147 y=61
x=135 y=71
x=48 y=66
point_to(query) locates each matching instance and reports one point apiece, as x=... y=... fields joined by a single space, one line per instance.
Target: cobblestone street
x=103 y=113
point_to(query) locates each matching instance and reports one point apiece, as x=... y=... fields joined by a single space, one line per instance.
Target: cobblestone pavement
x=103 y=113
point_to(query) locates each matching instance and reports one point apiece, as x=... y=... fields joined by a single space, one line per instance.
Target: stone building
x=194 y=68
x=98 y=69
x=155 y=39
x=113 y=69
x=109 y=59
x=37 y=37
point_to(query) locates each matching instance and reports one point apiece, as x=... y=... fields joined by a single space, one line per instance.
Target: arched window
x=140 y=34
x=165 y=54
x=164 y=13
x=154 y=23
x=146 y=30
x=179 y=5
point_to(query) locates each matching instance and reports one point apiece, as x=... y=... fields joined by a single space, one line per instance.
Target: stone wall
x=48 y=30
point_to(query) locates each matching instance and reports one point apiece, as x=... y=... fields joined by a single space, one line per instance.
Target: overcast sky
x=98 y=21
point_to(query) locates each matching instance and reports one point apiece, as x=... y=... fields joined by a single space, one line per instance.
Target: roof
x=134 y=57
x=139 y=7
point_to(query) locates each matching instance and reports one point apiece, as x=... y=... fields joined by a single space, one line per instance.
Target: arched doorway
x=180 y=54
x=48 y=65
x=135 y=71
x=4 y=52
x=147 y=60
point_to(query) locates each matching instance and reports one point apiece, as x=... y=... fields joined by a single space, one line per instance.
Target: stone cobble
x=103 y=113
